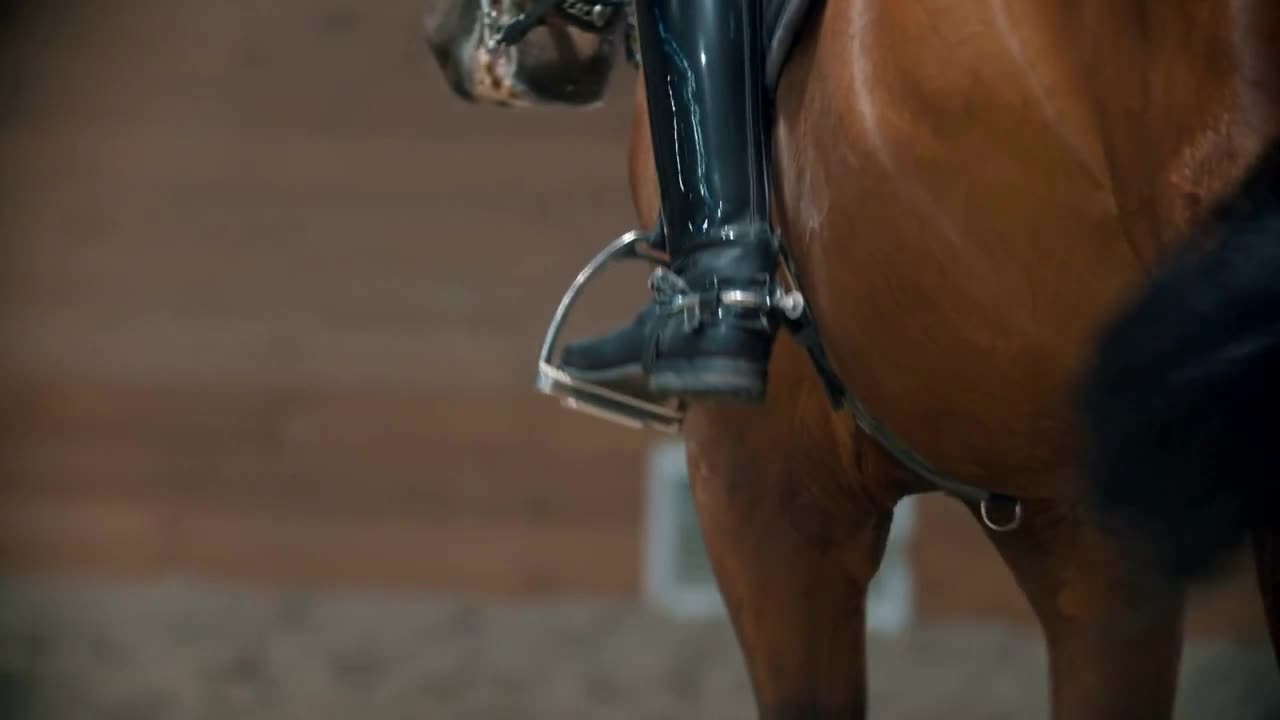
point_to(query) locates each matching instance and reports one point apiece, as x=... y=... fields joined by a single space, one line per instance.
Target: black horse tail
x=1182 y=399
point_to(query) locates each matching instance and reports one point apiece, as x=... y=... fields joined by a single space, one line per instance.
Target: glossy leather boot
x=709 y=330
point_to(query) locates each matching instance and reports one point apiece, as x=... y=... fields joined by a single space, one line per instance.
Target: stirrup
x=630 y=410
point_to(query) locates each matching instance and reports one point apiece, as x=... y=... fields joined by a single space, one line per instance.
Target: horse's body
x=969 y=191
x=965 y=217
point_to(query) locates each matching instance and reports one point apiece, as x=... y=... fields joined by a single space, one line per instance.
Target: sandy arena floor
x=184 y=651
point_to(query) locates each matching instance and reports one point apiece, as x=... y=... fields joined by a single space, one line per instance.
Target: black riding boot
x=709 y=330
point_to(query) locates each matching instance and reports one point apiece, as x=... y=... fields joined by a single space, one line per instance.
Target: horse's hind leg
x=794 y=539
x=1114 y=634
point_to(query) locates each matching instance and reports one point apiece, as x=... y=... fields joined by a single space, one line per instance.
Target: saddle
x=783 y=21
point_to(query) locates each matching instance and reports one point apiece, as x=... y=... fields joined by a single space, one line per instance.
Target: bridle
x=498 y=27
x=505 y=24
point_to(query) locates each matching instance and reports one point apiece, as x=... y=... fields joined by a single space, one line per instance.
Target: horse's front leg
x=1114 y=633
x=795 y=512
x=793 y=542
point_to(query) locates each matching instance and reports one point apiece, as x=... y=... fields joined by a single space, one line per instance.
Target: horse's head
x=566 y=59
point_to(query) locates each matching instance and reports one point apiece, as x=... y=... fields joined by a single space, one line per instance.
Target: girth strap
x=805 y=331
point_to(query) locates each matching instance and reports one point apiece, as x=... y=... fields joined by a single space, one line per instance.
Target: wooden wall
x=270 y=311
x=270 y=306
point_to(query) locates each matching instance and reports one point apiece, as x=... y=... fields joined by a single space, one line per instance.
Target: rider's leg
x=703 y=65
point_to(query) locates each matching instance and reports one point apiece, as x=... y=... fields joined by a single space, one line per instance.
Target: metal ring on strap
x=1014 y=523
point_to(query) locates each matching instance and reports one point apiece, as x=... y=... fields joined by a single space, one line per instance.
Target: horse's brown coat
x=970 y=191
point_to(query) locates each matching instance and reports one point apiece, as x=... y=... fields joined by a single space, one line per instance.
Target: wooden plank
x=267 y=310
x=324 y=450
x=466 y=553
x=273 y=547
x=260 y=169
x=103 y=538
x=290 y=66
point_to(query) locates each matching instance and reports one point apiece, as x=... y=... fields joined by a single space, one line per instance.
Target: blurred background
x=270 y=306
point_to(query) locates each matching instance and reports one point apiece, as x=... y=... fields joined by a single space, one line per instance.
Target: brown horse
x=970 y=192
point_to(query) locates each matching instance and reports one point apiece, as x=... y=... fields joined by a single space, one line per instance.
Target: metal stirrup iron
x=629 y=410
x=636 y=411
